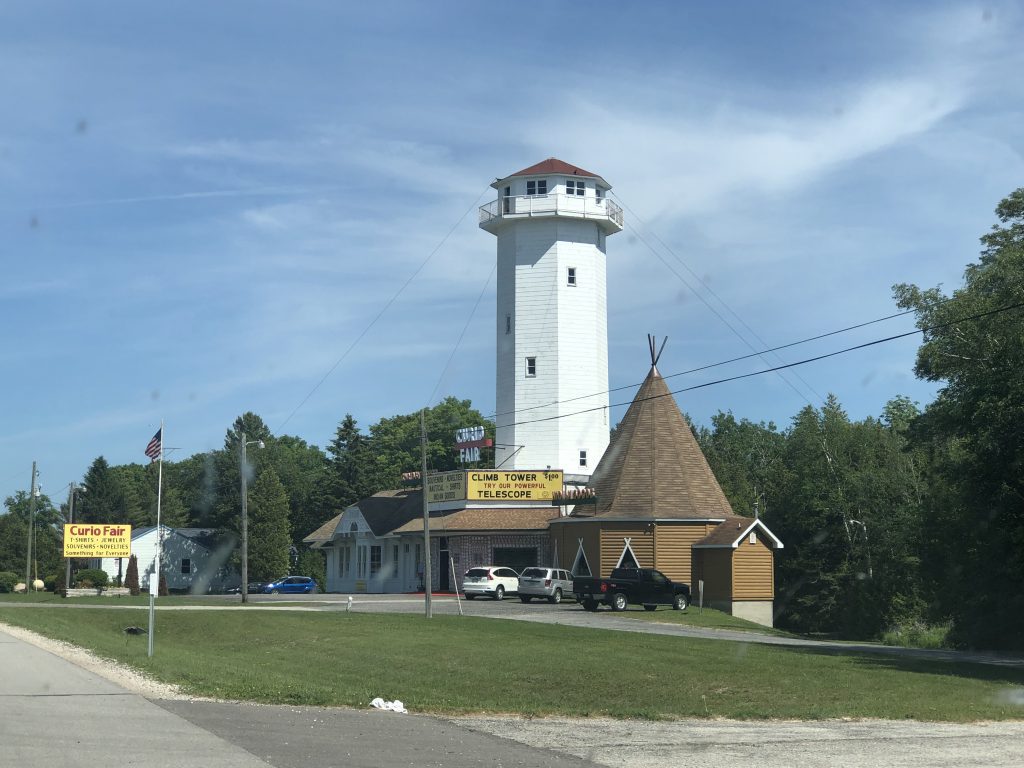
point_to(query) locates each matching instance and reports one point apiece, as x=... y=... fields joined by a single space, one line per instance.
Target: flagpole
x=153 y=589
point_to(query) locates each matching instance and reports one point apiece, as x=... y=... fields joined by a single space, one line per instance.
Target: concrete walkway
x=53 y=713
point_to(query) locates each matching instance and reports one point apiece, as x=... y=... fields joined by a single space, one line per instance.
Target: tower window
x=508 y=324
x=537 y=187
x=570 y=278
x=531 y=366
x=599 y=193
x=573 y=187
x=583 y=458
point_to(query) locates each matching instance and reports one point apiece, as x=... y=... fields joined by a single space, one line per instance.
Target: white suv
x=550 y=583
x=491 y=580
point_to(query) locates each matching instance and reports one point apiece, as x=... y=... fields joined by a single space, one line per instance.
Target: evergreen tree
x=746 y=459
x=349 y=465
x=103 y=499
x=131 y=578
x=269 y=536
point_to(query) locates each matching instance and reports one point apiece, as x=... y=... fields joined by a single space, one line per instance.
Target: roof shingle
x=653 y=467
x=536 y=518
x=554 y=165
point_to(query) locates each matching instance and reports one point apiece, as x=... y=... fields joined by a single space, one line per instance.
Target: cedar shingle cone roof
x=653 y=467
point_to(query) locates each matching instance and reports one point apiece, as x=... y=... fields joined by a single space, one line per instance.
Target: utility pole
x=71 y=519
x=427 y=578
x=245 y=528
x=31 y=527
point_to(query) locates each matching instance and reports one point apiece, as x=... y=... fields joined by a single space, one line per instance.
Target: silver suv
x=551 y=583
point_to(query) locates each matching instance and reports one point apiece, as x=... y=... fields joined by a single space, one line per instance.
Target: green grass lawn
x=452 y=664
x=709 y=618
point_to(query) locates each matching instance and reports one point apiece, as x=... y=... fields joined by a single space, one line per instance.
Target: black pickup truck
x=638 y=586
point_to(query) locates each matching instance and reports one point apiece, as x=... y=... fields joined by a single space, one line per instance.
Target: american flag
x=155 y=445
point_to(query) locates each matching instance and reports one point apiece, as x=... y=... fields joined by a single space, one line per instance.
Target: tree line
x=294 y=488
x=913 y=517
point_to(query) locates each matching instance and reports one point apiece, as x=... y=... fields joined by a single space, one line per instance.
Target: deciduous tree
x=974 y=435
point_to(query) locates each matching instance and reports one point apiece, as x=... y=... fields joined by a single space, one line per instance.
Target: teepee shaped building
x=660 y=506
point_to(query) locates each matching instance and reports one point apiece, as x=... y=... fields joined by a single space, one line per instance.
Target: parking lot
x=441 y=604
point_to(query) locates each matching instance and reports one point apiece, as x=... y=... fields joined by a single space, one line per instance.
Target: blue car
x=290 y=585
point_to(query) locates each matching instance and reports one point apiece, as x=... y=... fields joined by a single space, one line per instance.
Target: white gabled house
x=362 y=552
x=192 y=560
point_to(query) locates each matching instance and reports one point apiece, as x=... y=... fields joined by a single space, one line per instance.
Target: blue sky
x=201 y=210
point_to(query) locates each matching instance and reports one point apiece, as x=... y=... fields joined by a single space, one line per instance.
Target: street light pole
x=245 y=527
x=245 y=517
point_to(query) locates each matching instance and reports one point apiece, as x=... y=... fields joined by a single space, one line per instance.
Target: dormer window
x=573 y=187
x=537 y=187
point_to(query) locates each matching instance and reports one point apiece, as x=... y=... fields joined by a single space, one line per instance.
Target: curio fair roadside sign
x=469 y=441
x=96 y=540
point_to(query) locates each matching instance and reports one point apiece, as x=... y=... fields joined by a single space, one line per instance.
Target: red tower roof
x=554 y=165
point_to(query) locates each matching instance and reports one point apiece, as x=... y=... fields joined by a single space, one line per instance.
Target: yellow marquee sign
x=517 y=485
x=95 y=540
x=494 y=485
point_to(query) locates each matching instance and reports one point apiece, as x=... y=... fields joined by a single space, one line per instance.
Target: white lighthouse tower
x=551 y=221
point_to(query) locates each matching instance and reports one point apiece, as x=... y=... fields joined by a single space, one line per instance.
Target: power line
x=461 y=335
x=706 y=303
x=782 y=367
x=726 y=362
x=383 y=309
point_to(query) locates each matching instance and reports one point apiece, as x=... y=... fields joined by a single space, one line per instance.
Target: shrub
x=60 y=587
x=918 y=635
x=8 y=580
x=92 y=577
x=50 y=582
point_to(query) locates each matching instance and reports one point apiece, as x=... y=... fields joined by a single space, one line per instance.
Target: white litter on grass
x=389 y=706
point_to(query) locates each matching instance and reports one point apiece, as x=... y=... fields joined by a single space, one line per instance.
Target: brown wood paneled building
x=660 y=506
